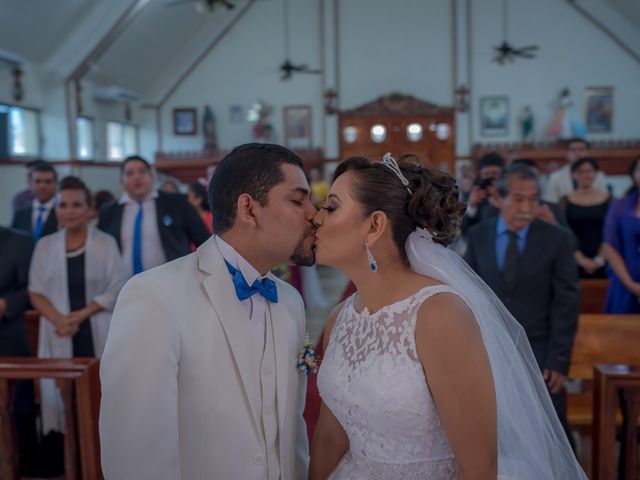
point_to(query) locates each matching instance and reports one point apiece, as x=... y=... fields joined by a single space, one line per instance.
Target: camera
x=484 y=183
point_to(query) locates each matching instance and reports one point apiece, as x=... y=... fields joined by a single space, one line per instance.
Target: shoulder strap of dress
x=428 y=292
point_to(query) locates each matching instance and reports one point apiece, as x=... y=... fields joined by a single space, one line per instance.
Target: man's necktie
x=137 y=241
x=265 y=287
x=37 y=230
x=510 y=272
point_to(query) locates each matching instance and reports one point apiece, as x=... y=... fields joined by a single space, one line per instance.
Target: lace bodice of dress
x=373 y=382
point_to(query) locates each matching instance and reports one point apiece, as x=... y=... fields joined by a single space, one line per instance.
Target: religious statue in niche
x=527 y=125
x=209 y=130
x=566 y=123
x=258 y=115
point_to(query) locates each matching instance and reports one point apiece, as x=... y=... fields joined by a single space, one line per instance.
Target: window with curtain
x=122 y=140
x=20 y=132
x=84 y=130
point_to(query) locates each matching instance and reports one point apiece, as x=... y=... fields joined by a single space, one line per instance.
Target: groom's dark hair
x=252 y=168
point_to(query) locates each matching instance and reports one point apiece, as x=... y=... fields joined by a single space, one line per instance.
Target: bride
x=426 y=375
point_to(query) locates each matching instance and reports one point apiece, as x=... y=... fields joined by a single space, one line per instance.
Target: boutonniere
x=308 y=358
x=167 y=220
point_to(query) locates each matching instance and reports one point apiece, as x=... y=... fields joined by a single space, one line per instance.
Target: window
x=84 y=132
x=20 y=130
x=122 y=140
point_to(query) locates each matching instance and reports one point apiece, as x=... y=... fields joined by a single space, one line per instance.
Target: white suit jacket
x=179 y=386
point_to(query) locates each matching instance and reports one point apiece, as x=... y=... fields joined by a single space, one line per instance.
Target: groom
x=198 y=375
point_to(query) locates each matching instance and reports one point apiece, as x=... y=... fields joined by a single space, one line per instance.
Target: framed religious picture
x=599 y=110
x=185 y=121
x=494 y=116
x=297 y=127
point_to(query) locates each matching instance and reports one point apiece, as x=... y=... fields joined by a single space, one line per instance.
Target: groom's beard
x=304 y=256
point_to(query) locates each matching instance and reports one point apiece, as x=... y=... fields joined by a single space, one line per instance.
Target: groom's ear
x=246 y=210
x=378 y=224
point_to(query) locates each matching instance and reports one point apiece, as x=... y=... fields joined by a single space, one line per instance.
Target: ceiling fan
x=505 y=52
x=206 y=5
x=288 y=68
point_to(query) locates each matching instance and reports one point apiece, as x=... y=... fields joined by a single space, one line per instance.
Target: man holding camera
x=483 y=194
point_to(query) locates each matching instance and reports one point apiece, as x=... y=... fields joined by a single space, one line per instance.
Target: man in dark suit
x=529 y=264
x=24 y=198
x=16 y=248
x=39 y=218
x=151 y=227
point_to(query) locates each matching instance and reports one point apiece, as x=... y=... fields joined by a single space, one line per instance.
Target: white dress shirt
x=255 y=305
x=48 y=206
x=152 y=251
x=561 y=184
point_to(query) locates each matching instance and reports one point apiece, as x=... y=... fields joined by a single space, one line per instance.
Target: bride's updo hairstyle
x=432 y=204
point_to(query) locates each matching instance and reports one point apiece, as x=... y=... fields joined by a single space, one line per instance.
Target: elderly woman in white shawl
x=74 y=280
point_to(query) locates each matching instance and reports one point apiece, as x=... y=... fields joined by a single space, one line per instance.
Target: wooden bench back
x=605 y=339
x=593 y=293
x=79 y=382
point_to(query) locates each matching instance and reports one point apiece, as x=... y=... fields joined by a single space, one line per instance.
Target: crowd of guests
x=577 y=198
x=530 y=238
x=69 y=261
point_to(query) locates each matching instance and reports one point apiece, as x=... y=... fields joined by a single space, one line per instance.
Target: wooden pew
x=614 y=384
x=593 y=293
x=601 y=339
x=79 y=382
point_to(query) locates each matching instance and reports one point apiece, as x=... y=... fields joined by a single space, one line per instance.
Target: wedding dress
x=373 y=382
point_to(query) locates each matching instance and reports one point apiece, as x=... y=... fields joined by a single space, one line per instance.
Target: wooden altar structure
x=410 y=125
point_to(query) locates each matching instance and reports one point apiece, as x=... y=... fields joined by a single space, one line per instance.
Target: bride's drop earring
x=372 y=261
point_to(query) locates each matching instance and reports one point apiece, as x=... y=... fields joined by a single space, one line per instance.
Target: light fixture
x=330 y=101
x=461 y=102
x=442 y=131
x=350 y=134
x=414 y=132
x=378 y=133
x=78 y=87
x=18 y=91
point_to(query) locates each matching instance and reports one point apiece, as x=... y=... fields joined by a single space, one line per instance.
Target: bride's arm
x=450 y=347
x=328 y=446
x=329 y=441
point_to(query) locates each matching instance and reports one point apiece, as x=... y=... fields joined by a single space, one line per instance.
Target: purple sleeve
x=611 y=224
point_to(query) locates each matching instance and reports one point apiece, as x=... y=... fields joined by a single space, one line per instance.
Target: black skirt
x=83 y=339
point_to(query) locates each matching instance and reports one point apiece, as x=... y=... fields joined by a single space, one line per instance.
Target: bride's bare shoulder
x=445 y=313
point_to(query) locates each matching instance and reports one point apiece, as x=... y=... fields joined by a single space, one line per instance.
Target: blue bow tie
x=265 y=287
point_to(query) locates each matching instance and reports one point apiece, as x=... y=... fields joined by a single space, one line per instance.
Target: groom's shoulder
x=170 y=274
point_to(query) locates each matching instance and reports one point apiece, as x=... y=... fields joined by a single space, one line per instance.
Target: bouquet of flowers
x=308 y=358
